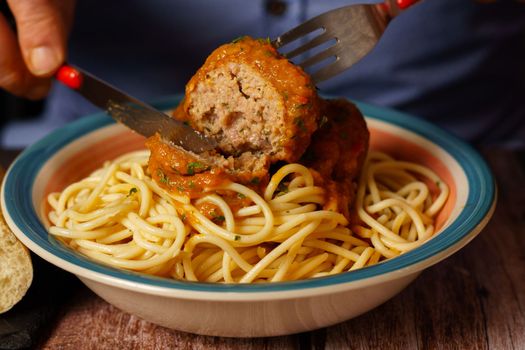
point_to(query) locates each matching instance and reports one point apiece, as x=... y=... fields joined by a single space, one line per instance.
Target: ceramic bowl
x=254 y=310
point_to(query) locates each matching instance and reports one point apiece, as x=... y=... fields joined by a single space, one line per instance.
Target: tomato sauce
x=335 y=152
x=179 y=172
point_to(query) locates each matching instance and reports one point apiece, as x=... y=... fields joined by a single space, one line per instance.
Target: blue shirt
x=457 y=63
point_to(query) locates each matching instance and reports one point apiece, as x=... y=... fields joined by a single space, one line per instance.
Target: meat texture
x=252 y=100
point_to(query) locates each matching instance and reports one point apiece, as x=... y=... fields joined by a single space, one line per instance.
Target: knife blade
x=132 y=112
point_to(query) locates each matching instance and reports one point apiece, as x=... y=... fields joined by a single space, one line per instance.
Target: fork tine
x=345 y=58
x=327 y=72
x=355 y=29
x=318 y=40
x=319 y=57
x=299 y=31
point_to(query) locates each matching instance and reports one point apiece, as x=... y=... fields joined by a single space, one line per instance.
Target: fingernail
x=43 y=60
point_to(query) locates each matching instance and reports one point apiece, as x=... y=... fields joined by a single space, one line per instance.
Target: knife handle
x=69 y=76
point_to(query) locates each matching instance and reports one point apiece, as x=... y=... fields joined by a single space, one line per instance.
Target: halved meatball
x=251 y=99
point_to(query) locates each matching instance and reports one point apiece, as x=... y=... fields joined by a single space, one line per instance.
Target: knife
x=131 y=112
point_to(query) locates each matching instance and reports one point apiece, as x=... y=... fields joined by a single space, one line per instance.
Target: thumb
x=42 y=27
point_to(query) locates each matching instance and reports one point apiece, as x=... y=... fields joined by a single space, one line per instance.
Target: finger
x=42 y=27
x=14 y=75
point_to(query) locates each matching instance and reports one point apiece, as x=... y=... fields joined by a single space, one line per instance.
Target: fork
x=355 y=29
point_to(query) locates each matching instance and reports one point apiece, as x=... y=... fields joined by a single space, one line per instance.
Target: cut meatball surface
x=184 y=172
x=251 y=99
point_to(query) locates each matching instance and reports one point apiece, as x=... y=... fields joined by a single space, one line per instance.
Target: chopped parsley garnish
x=187 y=123
x=194 y=167
x=323 y=121
x=132 y=191
x=241 y=196
x=183 y=217
x=162 y=177
x=265 y=41
x=175 y=170
x=255 y=181
x=236 y=40
x=216 y=217
x=303 y=105
x=191 y=185
x=300 y=123
x=237 y=238
x=282 y=188
x=220 y=218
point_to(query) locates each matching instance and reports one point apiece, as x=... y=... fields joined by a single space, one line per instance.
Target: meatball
x=261 y=109
x=252 y=100
x=337 y=151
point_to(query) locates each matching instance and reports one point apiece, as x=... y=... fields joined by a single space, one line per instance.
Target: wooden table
x=474 y=299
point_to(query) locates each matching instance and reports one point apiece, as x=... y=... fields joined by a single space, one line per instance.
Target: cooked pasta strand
x=120 y=217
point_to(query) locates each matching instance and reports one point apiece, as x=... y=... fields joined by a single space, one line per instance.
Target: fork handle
x=391 y=8
x=403 y=4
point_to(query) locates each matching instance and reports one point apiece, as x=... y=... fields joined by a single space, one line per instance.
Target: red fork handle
x=391 y=8
x=404 y=4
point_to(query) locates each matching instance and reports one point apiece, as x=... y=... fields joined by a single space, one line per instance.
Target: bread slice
x=16 y=270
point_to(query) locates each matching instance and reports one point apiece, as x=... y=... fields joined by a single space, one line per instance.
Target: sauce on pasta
x=120 y=216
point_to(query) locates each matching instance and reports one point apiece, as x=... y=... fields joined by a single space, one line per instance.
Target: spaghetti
x=120 y=217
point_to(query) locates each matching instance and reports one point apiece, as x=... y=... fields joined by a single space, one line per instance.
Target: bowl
x=251 y=310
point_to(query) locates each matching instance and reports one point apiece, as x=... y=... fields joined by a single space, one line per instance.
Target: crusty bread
x=16 y=270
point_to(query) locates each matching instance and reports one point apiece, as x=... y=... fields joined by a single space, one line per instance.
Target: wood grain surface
x=472 y=300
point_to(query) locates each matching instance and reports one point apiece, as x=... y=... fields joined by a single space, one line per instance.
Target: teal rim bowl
x=18 y=204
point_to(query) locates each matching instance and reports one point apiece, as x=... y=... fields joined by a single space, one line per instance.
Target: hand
x=28 y=61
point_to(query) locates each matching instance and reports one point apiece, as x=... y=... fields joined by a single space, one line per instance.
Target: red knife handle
x=69 y=76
